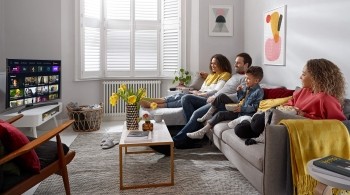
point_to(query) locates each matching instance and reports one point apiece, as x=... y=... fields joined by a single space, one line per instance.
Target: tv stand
x=31 y=106
x=37 y=115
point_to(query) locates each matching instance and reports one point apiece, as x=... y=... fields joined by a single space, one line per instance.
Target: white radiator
x=152 y=89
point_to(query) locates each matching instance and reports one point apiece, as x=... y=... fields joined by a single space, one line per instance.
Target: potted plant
x=183 y=77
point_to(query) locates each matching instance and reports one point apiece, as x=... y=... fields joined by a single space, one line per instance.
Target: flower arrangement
x=146 y=117
x=130 y=96
x=182 y=76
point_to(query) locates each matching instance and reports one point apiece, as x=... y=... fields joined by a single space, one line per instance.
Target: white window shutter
x=171 y=36
x=129 y=38
x=91 y=36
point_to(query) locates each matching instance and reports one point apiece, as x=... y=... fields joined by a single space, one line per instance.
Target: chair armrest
x=14 y=119
x=37 y=142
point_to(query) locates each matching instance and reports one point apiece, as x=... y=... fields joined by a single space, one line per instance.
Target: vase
x=132 y=115
x=147 y=126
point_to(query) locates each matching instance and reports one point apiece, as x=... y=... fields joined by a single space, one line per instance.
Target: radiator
x=152 y=89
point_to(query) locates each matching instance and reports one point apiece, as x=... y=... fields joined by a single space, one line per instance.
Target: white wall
x=44 y=29
x=315 y=29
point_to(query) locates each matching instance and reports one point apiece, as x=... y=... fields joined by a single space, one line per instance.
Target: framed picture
x=275 y=36
x=220 y=20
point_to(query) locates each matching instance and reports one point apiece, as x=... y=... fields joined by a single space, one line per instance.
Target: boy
x=249 y=98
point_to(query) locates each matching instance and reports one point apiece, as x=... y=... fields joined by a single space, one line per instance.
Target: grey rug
x=197 y=171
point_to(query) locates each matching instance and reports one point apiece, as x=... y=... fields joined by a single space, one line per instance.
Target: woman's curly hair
x=223 y=63
x=327 y=78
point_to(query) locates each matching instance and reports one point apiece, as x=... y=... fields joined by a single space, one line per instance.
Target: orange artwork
x=274 y=37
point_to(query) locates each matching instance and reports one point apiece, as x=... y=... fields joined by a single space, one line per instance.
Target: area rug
x=197 y=171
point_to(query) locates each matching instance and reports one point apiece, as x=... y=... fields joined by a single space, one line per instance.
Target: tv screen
x=31 y=82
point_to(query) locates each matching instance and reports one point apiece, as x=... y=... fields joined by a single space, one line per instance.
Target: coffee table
x=160 y=136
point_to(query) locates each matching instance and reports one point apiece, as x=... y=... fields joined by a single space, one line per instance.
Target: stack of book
x=138 y=136
x=334 y=166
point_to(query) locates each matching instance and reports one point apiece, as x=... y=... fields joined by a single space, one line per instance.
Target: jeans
x=190 y=103
x=191 y=126
x=174 y=101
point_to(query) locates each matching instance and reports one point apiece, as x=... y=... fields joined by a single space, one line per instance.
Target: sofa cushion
x=278 y=115
x=346 y=108
x=47 y=152
x=13 y=139
x=252 y=153
x=220 y=128
x=171 y=116
x=197 y=82
x=277 y=93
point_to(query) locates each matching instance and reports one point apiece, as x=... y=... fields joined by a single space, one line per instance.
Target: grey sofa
x=265 y=165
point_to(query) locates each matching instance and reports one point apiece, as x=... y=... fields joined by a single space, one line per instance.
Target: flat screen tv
x=32 y=83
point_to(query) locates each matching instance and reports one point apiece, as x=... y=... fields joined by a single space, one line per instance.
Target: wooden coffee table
x=160 y=136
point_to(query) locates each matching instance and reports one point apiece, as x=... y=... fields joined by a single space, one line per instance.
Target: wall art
x=220 y=20
x=275 y=36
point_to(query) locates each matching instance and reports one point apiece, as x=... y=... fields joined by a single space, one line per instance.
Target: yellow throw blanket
x=310 y=139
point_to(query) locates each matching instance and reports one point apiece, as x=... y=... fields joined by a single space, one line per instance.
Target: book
x=138 y=136
x=335 y=164
x=330 y=173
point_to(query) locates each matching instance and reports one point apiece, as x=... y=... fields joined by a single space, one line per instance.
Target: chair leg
x=63 y=166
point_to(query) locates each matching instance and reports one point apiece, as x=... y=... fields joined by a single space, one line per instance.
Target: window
x=129 y=38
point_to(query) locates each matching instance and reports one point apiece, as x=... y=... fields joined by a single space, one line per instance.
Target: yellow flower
x=132 y=99
x=113 y=99
x=153 y=105
x=130 y=96
x=122 y=88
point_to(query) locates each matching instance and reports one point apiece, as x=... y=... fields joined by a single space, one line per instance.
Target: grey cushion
x=197 y=83
x=220 y=128
x=252 y=153
x=346 y=108
x=278 y=115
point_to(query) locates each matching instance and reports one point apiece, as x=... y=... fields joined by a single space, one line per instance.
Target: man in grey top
x=195 y=107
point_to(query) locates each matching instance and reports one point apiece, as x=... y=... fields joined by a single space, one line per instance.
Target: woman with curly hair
x=322 y=93
x=220 y=71
x=321 y=97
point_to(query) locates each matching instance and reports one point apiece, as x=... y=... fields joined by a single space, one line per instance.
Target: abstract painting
x=220 y=20
x=275 y=37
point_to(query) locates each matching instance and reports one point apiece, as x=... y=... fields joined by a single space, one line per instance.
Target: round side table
x=325 y=182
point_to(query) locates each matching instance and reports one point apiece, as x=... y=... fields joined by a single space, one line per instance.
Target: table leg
x=322 y=189
x=55 y=120
x=35 y=134
x=172 y=163
x=121 y=168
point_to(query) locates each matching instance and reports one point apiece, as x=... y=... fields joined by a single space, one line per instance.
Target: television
x=32 y=83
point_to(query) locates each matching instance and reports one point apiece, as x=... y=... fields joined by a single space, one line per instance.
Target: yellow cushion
x=269 y=103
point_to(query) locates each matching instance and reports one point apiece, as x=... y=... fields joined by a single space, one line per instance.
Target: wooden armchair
x=58 y=166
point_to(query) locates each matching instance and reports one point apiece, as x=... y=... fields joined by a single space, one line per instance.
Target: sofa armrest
x=38 y=141
x=276 y=171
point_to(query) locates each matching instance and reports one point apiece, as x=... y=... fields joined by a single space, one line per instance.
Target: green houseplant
x=183 y=77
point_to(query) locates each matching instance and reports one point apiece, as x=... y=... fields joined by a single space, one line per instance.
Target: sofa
x=266 y=165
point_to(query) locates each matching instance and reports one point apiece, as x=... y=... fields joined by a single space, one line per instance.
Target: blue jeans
x=174 y=101
x=190 y=103
x=191 y=126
